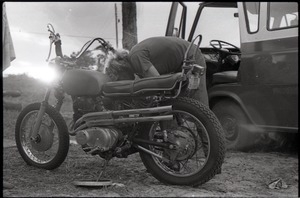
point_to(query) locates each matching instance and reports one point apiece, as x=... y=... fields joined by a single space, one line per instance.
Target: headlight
x=48 y=74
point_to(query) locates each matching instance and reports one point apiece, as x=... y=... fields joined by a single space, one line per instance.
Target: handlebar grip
x=112 y=49
x=58 y=49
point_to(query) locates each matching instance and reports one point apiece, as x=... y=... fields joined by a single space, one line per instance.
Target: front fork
x=42 y=110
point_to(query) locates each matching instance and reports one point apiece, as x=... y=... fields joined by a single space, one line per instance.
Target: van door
x=177 y=20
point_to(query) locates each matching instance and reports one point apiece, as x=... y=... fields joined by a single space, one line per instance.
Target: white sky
x=78 y=22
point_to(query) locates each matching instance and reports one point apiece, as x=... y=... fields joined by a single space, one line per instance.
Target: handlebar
x=55 y=38
x=190 y=64
x=189 y=48
x=105 y=45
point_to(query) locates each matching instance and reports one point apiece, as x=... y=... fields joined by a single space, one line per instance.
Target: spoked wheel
x=190 y=151
x=51 y=146
x=197 y=150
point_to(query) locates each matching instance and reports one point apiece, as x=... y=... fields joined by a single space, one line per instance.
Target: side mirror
x=175 y=32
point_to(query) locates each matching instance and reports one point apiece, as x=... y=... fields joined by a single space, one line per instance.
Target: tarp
x=7 y=44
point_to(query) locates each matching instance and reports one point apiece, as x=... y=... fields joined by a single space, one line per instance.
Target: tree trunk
x=129 y=25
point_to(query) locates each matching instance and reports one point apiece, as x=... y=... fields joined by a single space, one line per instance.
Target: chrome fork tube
x=44 y=103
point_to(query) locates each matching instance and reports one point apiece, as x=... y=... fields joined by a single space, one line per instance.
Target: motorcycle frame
x=187 y=65
x=59 y=94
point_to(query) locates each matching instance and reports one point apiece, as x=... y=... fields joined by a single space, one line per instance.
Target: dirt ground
x=243 y=175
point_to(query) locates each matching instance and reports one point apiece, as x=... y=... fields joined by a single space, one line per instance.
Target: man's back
x=166 y=54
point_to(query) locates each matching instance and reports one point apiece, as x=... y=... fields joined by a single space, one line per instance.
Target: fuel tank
x=80 y=82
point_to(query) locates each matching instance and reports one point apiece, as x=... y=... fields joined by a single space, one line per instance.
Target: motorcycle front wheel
x=199 y=145
x=52 y=144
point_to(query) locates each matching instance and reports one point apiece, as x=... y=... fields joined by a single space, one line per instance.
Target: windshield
x=218 y=24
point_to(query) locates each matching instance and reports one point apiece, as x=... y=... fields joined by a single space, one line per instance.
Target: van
x=252 y=80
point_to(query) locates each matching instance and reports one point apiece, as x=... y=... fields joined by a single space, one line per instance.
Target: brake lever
x=49 y=54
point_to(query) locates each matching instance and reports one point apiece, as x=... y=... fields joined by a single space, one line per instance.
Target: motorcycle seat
x=141 y=86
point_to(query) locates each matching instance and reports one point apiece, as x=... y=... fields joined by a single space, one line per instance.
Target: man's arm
x=151 y=72
x=142 y=65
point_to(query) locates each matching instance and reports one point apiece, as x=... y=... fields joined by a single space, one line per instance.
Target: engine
x=100 y=138
x=103 y=138
x=83 y=105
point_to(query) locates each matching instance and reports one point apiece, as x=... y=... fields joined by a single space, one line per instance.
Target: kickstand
x=101 y=183
x=102 y=172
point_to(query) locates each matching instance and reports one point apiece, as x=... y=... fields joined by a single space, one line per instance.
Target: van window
x=282 y=15
x=252 y=16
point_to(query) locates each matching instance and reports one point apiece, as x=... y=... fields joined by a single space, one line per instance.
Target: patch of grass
x=32 y=90
x=77 y=166
x=32 y=182
x=9 y=122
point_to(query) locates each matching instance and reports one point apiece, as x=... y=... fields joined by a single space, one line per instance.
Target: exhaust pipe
x=113 y=121
x=111 y=114
x=111 y=117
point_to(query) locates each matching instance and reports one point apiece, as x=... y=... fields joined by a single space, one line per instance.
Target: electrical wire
x=66 y=35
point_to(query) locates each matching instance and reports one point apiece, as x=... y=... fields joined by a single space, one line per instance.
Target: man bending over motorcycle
x=153 y=57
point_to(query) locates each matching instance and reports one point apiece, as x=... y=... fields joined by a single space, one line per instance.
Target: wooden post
x=129 y=25
x=116 y=18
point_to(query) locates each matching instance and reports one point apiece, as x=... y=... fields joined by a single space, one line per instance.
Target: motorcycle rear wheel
x=200 y=145
x=52 y=146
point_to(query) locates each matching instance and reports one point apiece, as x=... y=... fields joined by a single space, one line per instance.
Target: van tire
x=232 y=118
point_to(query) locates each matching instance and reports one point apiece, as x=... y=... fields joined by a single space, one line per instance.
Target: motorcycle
x=179 y=140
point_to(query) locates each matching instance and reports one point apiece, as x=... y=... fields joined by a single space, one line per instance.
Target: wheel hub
x=185 y=144
x=44 y=140
x=229 y=124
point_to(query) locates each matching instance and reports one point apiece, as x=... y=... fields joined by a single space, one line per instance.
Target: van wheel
x=232 y=119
